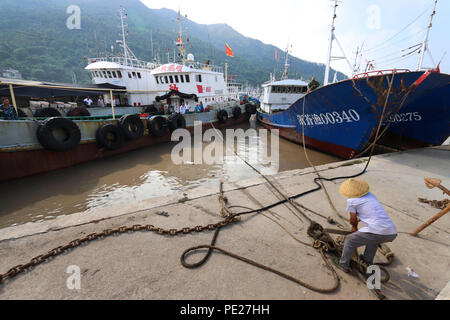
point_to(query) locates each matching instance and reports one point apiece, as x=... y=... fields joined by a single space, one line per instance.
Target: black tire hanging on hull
x=132 y=127
x=176 y=121
x=222 y=116
x=110 y=137
x=158 y=126
x=69 y=137
x=47 y=113
x=78 y=112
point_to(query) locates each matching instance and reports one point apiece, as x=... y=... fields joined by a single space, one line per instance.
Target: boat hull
x=29 y=158
x=342 y=118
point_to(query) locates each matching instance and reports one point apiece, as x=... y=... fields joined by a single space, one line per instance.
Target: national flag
x=276 y=54
x=200 y=89
x=229 y=52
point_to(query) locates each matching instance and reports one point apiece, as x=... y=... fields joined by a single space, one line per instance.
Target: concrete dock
x=145 y=265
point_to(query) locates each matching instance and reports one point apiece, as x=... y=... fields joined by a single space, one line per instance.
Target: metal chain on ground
x=107 y=233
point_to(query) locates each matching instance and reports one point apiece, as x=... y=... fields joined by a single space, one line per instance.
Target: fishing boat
x=342 y=118
x=280 y=94
x=140 y=97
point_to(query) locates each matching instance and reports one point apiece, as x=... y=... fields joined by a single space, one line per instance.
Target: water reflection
x=134 y=176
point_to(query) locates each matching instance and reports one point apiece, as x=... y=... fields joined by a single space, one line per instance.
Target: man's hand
x=354 y=222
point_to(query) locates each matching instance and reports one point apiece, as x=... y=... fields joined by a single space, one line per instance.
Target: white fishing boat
x=279 y=95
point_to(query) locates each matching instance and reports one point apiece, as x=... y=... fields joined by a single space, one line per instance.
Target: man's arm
x=354 y=221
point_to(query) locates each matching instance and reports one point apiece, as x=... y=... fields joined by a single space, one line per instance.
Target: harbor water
x=129 y=177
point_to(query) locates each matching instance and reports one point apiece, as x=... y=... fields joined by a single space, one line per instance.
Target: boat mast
x=425 y=41
x=180 y=39
x=122 y=17
x=330 y=47
x=286 y=64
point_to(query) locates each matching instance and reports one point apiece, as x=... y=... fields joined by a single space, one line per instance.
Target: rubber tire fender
x=237 y=113
x=176 y=121
x=151 y=109
x=47 y=113
x=222 y=116
x=47 y=139
x=158 y=126
x=78 y=112
x=132 y=127
x=106 y=131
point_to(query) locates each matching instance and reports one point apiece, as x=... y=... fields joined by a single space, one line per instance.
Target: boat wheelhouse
x=280 y=95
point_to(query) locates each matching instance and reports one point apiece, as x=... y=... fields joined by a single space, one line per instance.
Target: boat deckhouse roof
x=287 y=82
x=178 y=68
x=46 y=89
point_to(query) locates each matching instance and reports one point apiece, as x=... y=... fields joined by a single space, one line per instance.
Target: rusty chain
x=112 y=232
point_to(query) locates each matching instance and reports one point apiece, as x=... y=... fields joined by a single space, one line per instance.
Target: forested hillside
x=35 y=40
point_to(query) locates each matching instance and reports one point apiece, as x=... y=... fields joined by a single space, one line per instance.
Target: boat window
x=176 y=79
x=157 y=80
x=119 y=74
x=198 y=78
x=166 y=79
x=139 y=75
x=305 y=89
x=187 y=78
x=171 y=79
x=129 y=75
x=134 y=74
x=114 y=74
x=182 y=78
x=109 y=74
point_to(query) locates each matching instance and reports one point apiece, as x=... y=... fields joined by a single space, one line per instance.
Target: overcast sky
x=306 y=25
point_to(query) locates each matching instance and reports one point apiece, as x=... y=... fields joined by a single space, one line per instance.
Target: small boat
x=279 y=95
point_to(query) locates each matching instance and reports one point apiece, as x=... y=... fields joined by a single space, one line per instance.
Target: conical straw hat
x=354 y=188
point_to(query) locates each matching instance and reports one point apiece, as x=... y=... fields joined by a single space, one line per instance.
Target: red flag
x=229 y=52
x=276 y=54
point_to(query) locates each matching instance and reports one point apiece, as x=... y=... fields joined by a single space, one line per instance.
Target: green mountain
x=35 y=40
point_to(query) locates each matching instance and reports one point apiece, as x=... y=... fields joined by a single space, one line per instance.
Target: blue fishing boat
x=342 y=118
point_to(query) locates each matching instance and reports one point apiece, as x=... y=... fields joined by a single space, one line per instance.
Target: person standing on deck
x=88 y=102
x=7 y=111
x=182 y=109
x=100 y=103
x=313 y=85
x=379 y=228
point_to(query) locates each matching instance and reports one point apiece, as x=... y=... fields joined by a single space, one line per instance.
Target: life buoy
x=47 y=113
x=132 y=126
x=110 y=137
x=59 y=134
x=176 y=121
x=222 y=116
x=78 y=112
x=237 y=112
x=158 y=126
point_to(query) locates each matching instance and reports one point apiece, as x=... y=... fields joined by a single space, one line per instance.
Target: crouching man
x=363 y=206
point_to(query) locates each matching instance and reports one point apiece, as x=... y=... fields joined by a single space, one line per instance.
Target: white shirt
x=101 y=103
x=372 y=214
x=182 y=109
x=88 y=102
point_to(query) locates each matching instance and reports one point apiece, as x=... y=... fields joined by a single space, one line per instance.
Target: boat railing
x=135 y=63
x=203 y=66
x=379 y=73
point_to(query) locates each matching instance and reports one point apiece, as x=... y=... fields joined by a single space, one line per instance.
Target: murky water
x=133 y=176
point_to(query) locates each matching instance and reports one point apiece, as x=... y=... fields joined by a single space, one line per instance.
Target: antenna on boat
x=330 y=48
x=127 y=53
x=179 y=42
x=425 y=41
x=286 y=64
x=123 y=14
